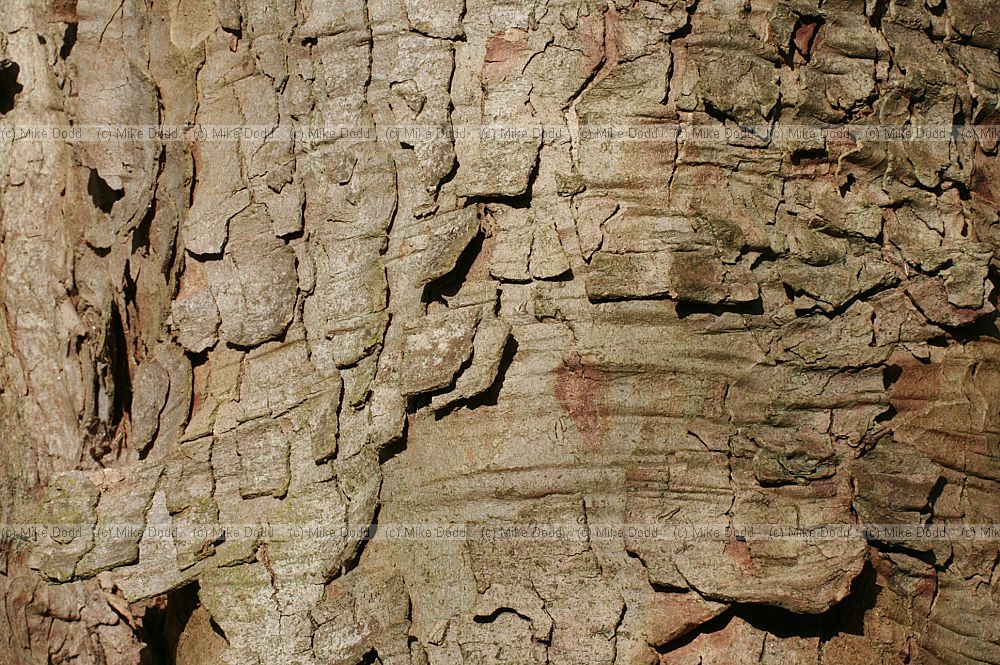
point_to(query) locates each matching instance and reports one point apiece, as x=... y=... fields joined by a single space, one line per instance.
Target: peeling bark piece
x=241 y=600
x=358 y=382
x=548 y=260
x=345 y=316
x=255 y=283
x=700 y=276
x=842 y=341
x=820 y=577
x=339 y=636
x=360 y=480
x=411 y=94
x=836 y=284
x=423 y=67
x=279 y=379
x=177 y=407
x=207 y=224
x=435 y=350
x=148 y=397
x=228 y=13
x=285 y=210
x=70 y=507
x=897 y=320
x=326 y=19
x=797 y=459
x=263 y=452
x=121 y=519
x=450 y=234
x=191 y=22
x=193 y=311
x=359 y=615
x=388 y=416
x=693 y=486
x=325 y=423
x=199 y=642
x=931 y=297
x=265 y=156
x=196 y=526
x=734 y=79
x=629 y=276
x=501 y=162
x=487 y=353
x=591 y=213
x=188 y=475
x=313 y=559
x=896 y=485
x=512 y=248
x=436 y=19
x=965 y=282
x=671 y=616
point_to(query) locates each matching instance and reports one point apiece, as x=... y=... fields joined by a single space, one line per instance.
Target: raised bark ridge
x=463 y=329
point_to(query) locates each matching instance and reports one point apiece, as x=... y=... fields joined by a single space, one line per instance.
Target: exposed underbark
x=455 y=327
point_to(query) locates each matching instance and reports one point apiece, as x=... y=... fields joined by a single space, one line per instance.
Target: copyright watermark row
x=501 y=531
x=504 y=133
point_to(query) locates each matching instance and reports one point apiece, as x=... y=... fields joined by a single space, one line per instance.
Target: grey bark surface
x=453 y=329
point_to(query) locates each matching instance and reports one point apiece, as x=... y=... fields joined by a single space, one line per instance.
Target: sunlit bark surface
x=455 y=327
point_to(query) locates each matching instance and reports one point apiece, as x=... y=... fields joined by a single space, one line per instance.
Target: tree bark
x=444 y=271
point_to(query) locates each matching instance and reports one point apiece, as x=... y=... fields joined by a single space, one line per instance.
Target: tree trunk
x=510 y=286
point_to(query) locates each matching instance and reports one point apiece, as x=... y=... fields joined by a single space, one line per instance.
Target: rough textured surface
x=460 y=328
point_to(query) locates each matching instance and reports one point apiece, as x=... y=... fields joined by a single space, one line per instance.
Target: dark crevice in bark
x=891 y=375
x=713 y=625
x=140 y=237
x=985 y=327
x=116 y=357
x=355 y=560
x=165 y=619
x=216 y=628
x=492 y=395
x=447 y=285
x=928 y=556
x=393 y=448
x=938 y=11
x=370 y=658
x=10 y=88
x=934 y=495
x=415 y=403
x=424 y=400
x=886 y=415
x=847 y=185
x=495 y=614
x=452 y=171
x=809 y=156
x=518 y=201
x=720 y=115
x=878 y=13
x=847 y=617
x=686 y=308
x=802 y=40
x=662 y=587
x=69 y=41
x=103 y=195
